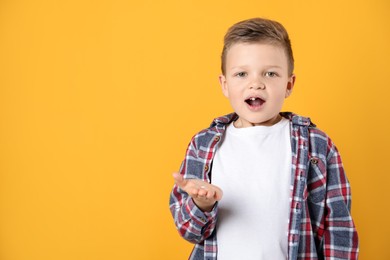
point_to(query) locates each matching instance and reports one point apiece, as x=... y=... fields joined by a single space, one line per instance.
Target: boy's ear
x=290 y=86
x=222 y=82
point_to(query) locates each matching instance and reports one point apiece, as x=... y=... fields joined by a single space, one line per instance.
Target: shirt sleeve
x=340 y=239
x=192 y=223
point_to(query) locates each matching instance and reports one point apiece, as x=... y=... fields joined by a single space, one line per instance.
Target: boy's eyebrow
x=267 y=67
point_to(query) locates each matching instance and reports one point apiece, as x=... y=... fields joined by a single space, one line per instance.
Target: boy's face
x=256 y=82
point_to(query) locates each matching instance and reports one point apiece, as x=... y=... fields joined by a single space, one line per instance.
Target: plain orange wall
x=98 y=100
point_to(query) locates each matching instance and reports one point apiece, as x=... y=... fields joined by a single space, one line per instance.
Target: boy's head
x=257 y=71
x=258 y=30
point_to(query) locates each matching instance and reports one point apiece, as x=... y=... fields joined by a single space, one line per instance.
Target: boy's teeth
x=254 y=101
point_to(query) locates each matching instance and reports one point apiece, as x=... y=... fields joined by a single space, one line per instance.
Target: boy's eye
x=241 y=74
x=271 y=74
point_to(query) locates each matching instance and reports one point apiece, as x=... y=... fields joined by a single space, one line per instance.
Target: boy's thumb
x=178 y=179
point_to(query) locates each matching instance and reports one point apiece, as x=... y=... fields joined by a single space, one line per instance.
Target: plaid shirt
x=321 y=226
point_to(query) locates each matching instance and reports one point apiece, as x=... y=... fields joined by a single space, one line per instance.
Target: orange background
x=98 y=100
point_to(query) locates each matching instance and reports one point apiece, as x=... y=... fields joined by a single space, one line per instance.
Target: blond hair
x=258 y=30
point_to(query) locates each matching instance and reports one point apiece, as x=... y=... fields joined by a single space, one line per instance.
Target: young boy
x=260 y=183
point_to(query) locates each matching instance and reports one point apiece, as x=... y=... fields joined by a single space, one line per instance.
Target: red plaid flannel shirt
x=321 y=226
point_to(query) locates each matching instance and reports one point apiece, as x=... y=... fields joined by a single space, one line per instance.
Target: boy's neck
x=241 y=124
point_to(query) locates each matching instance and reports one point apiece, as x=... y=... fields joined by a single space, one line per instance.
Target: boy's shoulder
x=214 y=132
x=223 y=120
x=302 y=128
x=218 y=126
x=320 y=144
x=298 y=120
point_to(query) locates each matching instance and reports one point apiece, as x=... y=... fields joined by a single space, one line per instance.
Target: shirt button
x=314 y=160
x=206 y=168
x=217 y=138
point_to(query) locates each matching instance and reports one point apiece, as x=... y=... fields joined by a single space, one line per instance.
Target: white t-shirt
x=253 y=168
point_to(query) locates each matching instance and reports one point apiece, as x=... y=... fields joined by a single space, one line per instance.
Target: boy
x=260 y=183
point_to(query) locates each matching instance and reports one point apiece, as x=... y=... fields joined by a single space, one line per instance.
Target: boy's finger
x=218 y=194
x=210 y=194
x=180 y=181
x=202 y=192
x=193 y=193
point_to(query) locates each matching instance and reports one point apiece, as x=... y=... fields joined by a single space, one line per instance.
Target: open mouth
x=254 y=101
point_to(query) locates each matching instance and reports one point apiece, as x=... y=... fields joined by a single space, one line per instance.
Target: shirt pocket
x=316 y=180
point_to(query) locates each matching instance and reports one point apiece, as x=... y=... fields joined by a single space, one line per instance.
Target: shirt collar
x=294 y=118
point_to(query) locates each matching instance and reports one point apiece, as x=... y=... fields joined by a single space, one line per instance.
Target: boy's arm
x=192 y=223
x=340 y=240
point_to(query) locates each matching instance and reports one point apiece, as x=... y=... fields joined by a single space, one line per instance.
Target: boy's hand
x=203 y=193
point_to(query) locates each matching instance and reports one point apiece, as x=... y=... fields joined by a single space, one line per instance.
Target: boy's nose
x=257 y=85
